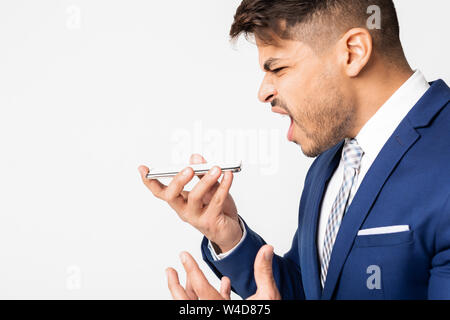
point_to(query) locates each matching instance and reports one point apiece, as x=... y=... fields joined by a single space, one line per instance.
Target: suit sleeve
x=439 y=284
x=238 y=266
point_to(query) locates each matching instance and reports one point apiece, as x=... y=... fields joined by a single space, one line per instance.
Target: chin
x=307 y=150
x=309 y=153
x=311 y=149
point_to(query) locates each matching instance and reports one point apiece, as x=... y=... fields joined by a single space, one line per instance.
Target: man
x=374 y=216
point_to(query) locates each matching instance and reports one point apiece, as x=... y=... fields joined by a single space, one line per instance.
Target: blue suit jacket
x=408 y=184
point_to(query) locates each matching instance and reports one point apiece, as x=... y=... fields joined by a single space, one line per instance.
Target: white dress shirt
x=371 y=138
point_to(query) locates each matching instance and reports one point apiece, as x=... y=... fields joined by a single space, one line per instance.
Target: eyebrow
x=268 y=64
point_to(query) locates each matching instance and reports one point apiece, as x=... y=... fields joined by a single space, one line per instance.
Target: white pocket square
x=383 y=230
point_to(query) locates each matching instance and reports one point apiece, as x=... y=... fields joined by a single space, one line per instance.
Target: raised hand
x=198 y=287
x=208 y=206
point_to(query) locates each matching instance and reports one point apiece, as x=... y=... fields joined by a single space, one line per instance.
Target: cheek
x=293 y=92
x=304 y=86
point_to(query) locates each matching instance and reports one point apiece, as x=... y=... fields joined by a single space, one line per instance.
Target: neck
x=374 y=89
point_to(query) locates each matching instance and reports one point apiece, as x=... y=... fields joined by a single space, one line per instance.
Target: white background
x=89 y=90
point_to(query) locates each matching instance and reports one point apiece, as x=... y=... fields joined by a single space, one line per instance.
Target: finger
x=225 y=288
x=173 y=193
x=210 y=193
x=264 y=279
x=197 y=159
x=177 y=291
x=216 y=204
x=185 y=195
x=196 y=195
x=200 y=284
x=189 y=290
x=156 y=187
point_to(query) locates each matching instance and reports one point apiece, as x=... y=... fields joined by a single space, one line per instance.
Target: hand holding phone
x=208 y=206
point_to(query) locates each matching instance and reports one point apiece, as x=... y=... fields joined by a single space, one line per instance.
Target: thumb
x=225 y=288
x=263 y=269
x=196 y=159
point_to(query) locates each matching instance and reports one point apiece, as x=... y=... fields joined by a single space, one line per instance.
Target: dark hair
x=318 y=20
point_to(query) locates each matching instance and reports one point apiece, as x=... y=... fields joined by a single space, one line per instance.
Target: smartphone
x=199 y=169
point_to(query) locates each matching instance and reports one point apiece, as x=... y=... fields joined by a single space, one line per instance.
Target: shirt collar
x=377 y=130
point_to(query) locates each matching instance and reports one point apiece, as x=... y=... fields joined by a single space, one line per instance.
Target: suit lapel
x=404 y=137
x=307 y=241
x=398 y=144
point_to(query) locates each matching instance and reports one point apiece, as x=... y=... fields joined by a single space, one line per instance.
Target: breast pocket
x=377 y=266
x=382 y=240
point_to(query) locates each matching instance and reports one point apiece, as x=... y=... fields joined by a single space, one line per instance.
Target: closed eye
x=277 y=70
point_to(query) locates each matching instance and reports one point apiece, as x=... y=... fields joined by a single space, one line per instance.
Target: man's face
x=311 y=90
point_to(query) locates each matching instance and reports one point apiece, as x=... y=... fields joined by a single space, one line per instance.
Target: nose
x=267 y=92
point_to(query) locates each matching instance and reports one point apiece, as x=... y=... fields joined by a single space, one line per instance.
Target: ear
x=355 y=50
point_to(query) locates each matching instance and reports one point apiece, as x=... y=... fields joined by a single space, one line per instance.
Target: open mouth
x=285 y=114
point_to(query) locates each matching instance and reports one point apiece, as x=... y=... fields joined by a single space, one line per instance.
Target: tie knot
x=352 y=154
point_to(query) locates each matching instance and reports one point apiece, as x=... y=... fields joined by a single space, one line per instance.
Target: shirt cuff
x=220 y=256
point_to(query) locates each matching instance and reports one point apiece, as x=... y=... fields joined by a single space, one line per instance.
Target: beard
x=325 y=119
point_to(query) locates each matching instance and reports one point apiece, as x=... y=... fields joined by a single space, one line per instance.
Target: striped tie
x=351 y=155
